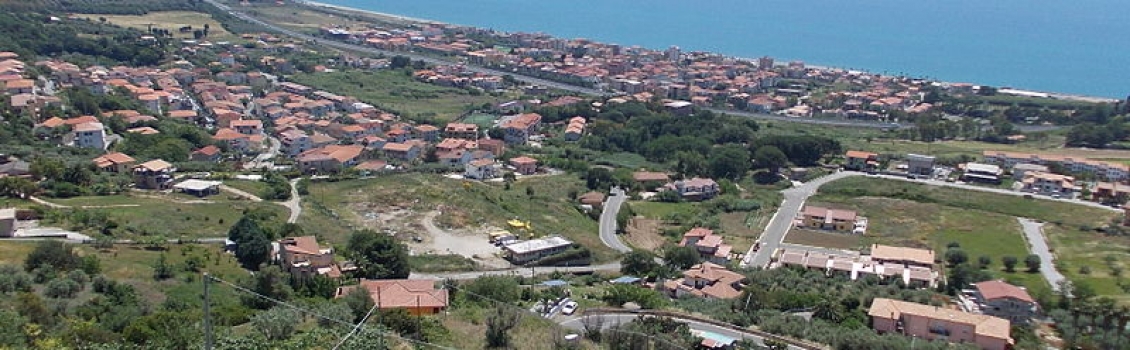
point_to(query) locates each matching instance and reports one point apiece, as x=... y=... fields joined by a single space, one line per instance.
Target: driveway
x=1034 y=233
x=611 y=209
x=613 y=319
x=294 y=204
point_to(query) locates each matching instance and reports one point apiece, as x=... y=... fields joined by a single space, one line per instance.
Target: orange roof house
x=419 y=297
x=114 y=162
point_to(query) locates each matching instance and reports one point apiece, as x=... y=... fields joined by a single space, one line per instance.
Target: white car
x=569 y=308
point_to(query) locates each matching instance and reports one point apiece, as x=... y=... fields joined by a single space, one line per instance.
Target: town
x=206 y=180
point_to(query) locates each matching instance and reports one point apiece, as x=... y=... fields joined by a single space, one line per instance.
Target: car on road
x=569 y=308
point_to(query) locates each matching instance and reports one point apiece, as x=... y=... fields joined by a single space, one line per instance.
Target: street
x=1034 y=234
x=611 y=209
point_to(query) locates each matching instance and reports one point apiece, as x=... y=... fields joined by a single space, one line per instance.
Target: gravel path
x=1034 y=233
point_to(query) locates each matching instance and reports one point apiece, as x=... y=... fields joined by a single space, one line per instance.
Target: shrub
x=62 y=288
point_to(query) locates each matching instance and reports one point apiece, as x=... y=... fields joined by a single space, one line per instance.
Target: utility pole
x=207 y=314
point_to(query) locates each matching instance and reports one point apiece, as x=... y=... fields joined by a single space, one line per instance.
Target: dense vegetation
x=31 y=35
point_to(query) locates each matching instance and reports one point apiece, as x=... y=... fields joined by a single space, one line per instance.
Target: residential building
x=12 y=166
x=1050 y=184
x=482 y=169
x=524 y=165
x=706 y=280
x=902 y=255
x=695 y=189
x=418 y=297
x=708 y=245
x=328 y=159
x=983 y=173
x=426 y=132
x=532 y=250
x=90 y=135
x=921 y=165
x=651 y=179
x=304 y=257
x=937 y=323
x=401 y=151
x=862 y=161
x=209 y=153
x=518 y=129
x=294 y=142
x=1022 y=169
x=575 y=129
x=115 y=162
x=7 y=222
x=855 y=266
x=461 y=131
x=829 y=219
x=199 y=188
x=154 y=175
x=594 y=200
x=1000 y=299
x=247 y=126
x=496 y=147
x=1109 y=171
x=1110 y=192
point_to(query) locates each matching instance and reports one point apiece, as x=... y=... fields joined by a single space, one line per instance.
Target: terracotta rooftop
x=998 y=289
x=983 y=325
x=393 y=294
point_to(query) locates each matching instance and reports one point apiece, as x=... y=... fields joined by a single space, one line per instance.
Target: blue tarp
x=625 y=280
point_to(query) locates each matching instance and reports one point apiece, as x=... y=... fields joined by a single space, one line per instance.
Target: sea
x=1077 y=47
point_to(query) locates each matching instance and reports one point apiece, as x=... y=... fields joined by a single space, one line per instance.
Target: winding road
x=608 y=215
x=294 y=204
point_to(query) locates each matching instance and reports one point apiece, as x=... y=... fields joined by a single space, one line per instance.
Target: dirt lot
x=823 y=239
x=428 y=233
x=172 y=21
x=644 y=234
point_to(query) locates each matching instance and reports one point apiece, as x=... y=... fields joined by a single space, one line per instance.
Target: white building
x=527 y=251
x=90 y=135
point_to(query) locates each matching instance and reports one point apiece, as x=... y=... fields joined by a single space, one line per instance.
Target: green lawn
x=397 y=92
x=662 y=210
x=253 y=187
x=465 y=204
x=1075 y=249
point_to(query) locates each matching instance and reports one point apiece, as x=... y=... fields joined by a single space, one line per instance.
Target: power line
x=304 y=310
x=358 y=327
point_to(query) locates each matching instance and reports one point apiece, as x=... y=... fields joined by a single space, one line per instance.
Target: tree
x=270 y=281
x=277 y=323
x=378 y=256
x=252 y=248
x=681 y=258
x=770 y=157
x=11 y=330
x=1009 y=263
x=984 y=261
x=1032 y=262
x=162 y=270
x=956 y=256
x=638 y=263
x=399 y=61
x=728 y=162
x=499 y=324
x=486 y=290
x=51 y=253
x=62 y=288
x=830 y=311
x=359 y=302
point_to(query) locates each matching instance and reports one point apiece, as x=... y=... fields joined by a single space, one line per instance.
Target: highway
x=413 y=56
x=611 y=209
x=609 y=320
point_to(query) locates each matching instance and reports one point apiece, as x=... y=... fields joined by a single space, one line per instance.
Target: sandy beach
x=386 y=16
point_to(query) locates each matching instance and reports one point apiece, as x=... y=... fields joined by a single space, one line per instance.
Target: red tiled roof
x=998 y=289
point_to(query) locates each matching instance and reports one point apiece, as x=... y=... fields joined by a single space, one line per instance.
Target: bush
x=62 y=288
x=619 y=294
x=572 y=256
x=12 y=279
x=53 y=253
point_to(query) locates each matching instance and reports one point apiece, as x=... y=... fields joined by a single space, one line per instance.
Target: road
x=294 y=204
x=263 y=159
x=795 y=197
x=417 y=57
x=517 y=271
x=1034 y=233
x=611 y=209
x=782 y=221
x=241 y=193
x=612 y=319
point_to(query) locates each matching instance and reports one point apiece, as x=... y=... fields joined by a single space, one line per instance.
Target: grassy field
x=171 y=21
x=661 y=210
x=393 y=90
x=171 y=216
x=465 y=204
x=301 y=19
x=984 y=224
x=253 y=187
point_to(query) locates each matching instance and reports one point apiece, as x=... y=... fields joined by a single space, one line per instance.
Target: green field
x=661 y=210
x=253 y=187
x=909 y=214
x=484 y=121
x=171 y=216
x=396 y=91
x=465 y=204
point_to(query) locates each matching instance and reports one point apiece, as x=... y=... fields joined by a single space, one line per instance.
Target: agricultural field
x=396 y=91
x=171 y=21
x=168 y=215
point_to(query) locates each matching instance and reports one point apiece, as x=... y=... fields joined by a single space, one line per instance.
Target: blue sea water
x=1078 y=47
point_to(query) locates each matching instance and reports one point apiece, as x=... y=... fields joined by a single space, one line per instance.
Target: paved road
x=611 y=320
x=782 y=221
x=517 y=271
x=263 y=160
x=608 y=220
x=429 y=60
x=241 y=193
x=1034 y=233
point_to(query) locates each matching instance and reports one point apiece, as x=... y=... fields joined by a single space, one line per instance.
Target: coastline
x=1022 y=91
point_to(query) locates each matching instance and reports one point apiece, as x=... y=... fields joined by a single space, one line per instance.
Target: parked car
x=569 y=308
